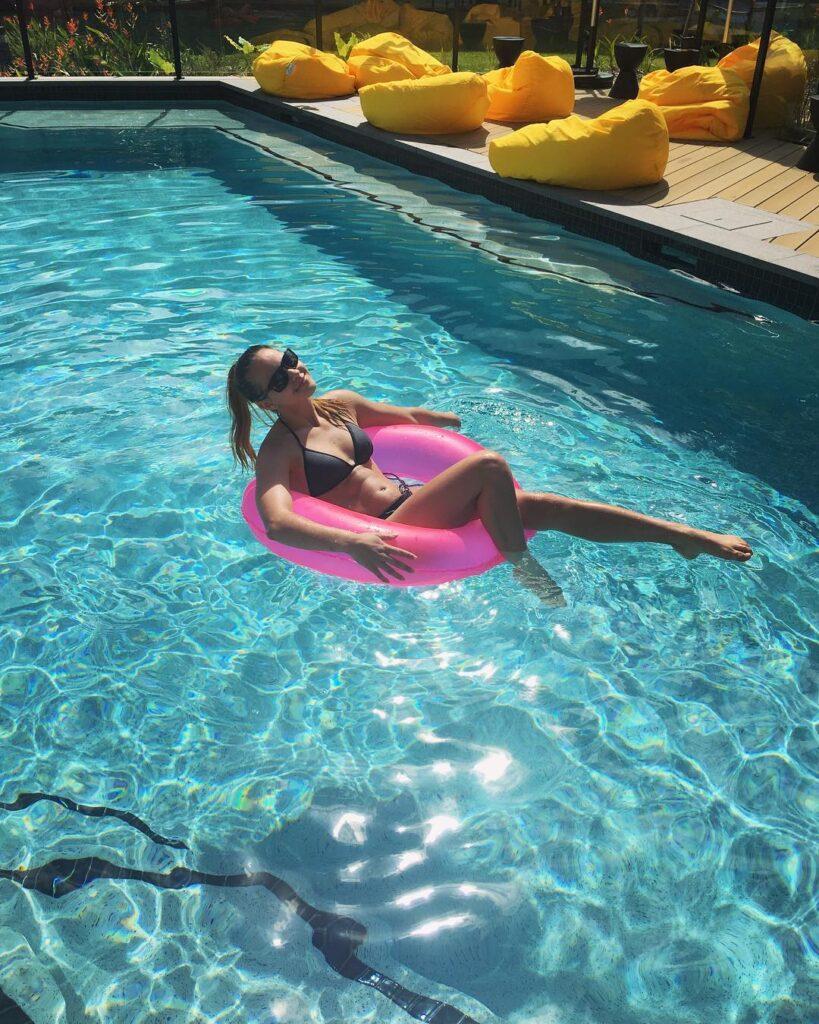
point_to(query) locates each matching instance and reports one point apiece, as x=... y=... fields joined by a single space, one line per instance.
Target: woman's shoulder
x=342 y=400
x=278 y=445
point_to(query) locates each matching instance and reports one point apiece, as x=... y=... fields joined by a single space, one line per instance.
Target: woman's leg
x=608 y=524
x=481 y=486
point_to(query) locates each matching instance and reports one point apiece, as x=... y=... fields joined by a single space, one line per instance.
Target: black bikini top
x=323 y=471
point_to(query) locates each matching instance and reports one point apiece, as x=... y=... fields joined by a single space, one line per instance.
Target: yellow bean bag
x=535 y=89
x=783 y=80
x=425 y=28
x=436 y=105
x=370 y=15
x=300 y=72
x=699 y=103
x=389 y=57
x=626 y=146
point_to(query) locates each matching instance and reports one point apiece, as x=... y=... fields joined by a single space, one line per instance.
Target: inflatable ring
x=416 y=452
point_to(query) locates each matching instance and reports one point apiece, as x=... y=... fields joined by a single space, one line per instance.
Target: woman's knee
x=492 y=464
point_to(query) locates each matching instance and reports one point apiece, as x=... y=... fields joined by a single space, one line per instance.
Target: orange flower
x=72 y=26
x=46 y=22
x=60 y=53
x=85 y=15
x=71 y=42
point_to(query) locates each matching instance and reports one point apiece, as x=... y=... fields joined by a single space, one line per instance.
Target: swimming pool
x=601 y=813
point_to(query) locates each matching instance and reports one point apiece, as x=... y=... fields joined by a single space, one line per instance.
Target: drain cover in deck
x=748 y=221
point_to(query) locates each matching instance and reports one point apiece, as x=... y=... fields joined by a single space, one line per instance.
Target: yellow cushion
x=535 y=89
x=375 y=15
x=699 y=103
x=425 y=28
x=783 y=80
x=299 y=72
x=427 y=106
x=626 y=146
x=389 y=57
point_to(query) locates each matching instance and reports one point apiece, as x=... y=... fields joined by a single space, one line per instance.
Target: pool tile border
x=757 y=270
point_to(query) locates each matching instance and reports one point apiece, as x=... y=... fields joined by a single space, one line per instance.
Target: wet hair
x=241 y=395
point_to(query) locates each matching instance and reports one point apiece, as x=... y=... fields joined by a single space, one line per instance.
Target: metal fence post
x=22 y=22
x=701 y=23
x=177 y=58
x=582 y=28
x=319 y=10
x=456 y=18
x=756 y=84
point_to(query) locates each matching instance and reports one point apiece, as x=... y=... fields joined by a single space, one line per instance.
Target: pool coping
x=755 y=269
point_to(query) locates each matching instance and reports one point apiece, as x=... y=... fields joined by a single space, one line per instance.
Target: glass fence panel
x=798 y=25
x=223 y=37
x=89 y=37
x=660 y=25
x=481 y=23
x=12 y=64
x=426 y=23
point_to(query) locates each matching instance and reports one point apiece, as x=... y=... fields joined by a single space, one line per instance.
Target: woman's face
x=300 y=385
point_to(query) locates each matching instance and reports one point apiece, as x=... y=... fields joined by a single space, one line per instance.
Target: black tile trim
x=10 y=1012
x=337 y=938
x=25 y=800
x=755 y=279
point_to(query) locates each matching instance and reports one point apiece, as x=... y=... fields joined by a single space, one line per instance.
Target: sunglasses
x=281 y=378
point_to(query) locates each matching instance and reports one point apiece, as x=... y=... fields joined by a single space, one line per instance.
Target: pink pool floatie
x=416 y=453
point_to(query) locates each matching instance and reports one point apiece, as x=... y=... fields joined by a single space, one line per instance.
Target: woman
x=317 y=446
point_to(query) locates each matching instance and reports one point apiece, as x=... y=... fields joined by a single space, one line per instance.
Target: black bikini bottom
x=406 y=492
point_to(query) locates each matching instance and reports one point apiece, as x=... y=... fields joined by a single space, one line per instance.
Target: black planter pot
x=472 y=33
x=507 y=49
x=676 y=59
x=809 y=161
x=628 y=57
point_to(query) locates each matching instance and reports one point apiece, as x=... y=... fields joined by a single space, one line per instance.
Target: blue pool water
x=603 y=813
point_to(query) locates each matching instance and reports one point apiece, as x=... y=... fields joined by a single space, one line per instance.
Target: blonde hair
x=239 y=395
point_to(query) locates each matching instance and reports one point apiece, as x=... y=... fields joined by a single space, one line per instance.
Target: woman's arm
x=381 y=414
x=275 y=507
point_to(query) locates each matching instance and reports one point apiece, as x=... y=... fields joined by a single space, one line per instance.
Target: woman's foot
x=531 y=575
x=720 y=545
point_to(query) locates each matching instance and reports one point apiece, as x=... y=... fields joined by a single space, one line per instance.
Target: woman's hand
x=373 y=552
x=447 y=419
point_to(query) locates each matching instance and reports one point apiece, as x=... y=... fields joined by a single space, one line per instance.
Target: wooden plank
x=732 y=174
x=732 y=159
x=758 y=188
x=713 y=153
x=791 y=194
x=811 y=246
x=798 y=239
x=802 y=207
x=705 y=167
x=718 y=157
